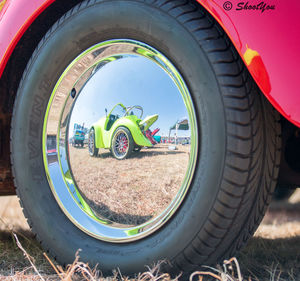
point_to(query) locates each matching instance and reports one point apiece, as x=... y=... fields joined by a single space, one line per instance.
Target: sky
x=132 y=81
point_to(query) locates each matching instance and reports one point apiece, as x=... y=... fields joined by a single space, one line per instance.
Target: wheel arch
x=114 y=129
x=40 y=16
x=134 y=130
x=98 y=138
x=14 y=56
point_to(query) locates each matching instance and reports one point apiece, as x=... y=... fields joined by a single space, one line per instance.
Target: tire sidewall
x=61 y=46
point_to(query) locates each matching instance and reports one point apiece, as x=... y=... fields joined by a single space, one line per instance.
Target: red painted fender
x=15 y=18
x=268 y=42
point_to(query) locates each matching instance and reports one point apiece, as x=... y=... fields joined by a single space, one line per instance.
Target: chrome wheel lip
x=59 y=174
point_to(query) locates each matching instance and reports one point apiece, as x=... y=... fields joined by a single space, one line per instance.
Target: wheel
x=122 y=143
x=93 y=150
x=234 y=153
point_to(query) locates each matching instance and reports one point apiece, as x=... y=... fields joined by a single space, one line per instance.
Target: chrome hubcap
x=109 y=200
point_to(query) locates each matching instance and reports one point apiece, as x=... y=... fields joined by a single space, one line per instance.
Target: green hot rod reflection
x=121 y=131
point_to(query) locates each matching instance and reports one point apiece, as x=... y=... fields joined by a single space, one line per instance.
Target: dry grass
x=273 y=254
x=274 y=251
x=132 y=190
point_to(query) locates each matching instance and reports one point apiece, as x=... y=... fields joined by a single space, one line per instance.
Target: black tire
x=93 y=150
x=128 y=148
x=239 y=150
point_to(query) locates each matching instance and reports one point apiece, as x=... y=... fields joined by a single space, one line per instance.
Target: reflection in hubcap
x=131 y=105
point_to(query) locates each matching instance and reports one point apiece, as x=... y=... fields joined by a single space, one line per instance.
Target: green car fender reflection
x=106 y=126
x=99 y=132
x=131 y=123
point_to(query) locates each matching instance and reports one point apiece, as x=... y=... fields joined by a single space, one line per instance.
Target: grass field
x=272 y=254
x=133 y=190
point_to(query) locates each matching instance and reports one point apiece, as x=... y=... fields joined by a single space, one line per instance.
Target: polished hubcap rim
x=59 y=172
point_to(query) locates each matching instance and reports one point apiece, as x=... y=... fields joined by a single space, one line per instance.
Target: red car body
x=271 y=37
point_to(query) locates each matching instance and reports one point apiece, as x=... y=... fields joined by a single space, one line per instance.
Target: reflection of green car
x=121 y=131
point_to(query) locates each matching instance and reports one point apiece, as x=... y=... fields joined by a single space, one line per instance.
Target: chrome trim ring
x=56 y=122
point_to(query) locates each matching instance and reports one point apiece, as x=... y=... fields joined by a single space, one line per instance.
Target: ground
x=133 y=190
x=273 y=252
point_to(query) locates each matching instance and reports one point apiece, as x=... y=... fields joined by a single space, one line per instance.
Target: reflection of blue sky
x=131 y=81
